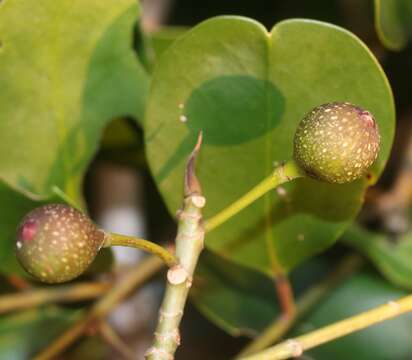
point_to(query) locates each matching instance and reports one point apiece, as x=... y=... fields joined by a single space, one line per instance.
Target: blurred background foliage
x=231 y=302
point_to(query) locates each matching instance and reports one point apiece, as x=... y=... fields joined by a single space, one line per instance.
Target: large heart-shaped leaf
x=247 y=89
x=393 y=22
x=67 y=67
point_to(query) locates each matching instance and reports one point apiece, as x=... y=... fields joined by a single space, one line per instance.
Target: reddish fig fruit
x=56 y=243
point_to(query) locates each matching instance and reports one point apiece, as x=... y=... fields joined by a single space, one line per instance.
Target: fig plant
x=335 y=142
x=263 y=142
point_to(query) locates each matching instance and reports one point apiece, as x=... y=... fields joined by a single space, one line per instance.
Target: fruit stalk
x=113 y=239
x=282 y=174
x=335 y=143
x=189 y=244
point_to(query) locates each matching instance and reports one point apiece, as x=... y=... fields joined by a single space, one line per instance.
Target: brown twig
x=114 y=340
x=138 y=276
x=18 y=282
x=65 y=293
x=285 y=296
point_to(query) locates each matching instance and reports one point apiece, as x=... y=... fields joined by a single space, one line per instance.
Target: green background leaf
x=389 y=340
x=242 y=302
x=24 y=334
x=393 y=257
x=67 y=68
x=162 y=38
x=247 y=89
x=235 y=298
x=393 y=22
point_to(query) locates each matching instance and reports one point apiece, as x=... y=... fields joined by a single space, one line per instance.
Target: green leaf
x=247 y=89
x=24 y=334
x=393 y=22
x=67 y=68
x=242 y=301
x=162 y=38
x=389 y=340
x=152 y=44
x=393 y=258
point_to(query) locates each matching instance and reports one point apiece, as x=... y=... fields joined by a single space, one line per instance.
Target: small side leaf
x=393 y=22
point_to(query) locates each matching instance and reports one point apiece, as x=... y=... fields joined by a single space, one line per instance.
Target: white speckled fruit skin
x=337 y=142
x=56 y=243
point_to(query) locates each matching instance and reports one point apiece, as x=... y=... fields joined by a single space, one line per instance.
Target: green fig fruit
x=337 y=142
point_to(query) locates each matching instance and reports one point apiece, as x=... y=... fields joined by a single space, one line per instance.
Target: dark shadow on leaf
x=230 y=110
x=234 y=109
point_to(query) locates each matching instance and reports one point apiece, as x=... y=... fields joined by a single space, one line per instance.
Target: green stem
x=315 y=294
x=295 y=347
x=189 y=244
x=282 y=174
x=113 y=239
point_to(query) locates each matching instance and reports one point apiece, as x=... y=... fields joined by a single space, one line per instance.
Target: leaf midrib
x=267 y=201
